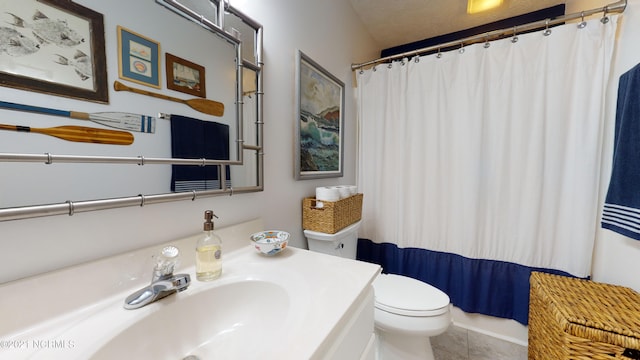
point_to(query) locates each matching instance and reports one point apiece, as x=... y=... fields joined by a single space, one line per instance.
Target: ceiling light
x=476 y=6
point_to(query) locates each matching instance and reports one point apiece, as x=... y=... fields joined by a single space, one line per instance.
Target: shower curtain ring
x=605 y=18
x=547 y=31
x=583 y=23
x=439 y=54
x=486 y=43
x=514 y=39
x=461 y=51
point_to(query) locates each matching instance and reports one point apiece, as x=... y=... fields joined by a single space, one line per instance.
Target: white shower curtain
x=491 y=152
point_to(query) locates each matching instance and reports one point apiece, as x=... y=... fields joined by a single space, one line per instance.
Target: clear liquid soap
x=209 y=251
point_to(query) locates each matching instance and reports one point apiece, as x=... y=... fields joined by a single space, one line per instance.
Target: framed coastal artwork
x=320 y=121
x=185 y=76
x=55 y=47
x=138 y=58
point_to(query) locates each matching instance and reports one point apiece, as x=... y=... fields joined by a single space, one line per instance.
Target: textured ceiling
x=398 y=22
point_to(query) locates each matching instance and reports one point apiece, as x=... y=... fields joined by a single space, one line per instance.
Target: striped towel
x=196 y=139
x=621 y=211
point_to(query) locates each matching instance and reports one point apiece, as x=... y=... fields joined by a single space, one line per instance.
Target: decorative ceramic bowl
x=270 y=242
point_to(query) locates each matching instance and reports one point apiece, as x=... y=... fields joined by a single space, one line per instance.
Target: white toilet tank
x=343 y=243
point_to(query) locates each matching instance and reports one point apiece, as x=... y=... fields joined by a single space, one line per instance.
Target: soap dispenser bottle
x=208 y=251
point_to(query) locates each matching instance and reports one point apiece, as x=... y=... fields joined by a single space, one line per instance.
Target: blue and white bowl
x=270 y=242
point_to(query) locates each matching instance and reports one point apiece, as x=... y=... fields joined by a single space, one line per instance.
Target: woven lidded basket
x=333 y=216
x=571 y=318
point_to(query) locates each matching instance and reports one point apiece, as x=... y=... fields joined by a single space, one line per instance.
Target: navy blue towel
x=197 y=139
x=621 y=211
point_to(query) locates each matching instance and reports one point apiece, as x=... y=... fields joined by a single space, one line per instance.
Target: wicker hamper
x=333 y=216
x=571 y=318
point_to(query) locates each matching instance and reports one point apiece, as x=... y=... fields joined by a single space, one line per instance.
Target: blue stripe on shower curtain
x=489 y=287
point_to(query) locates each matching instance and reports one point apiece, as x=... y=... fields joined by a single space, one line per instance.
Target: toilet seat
x=406 y=296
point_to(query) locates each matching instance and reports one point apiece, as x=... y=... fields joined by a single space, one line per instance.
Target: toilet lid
x=403 y=295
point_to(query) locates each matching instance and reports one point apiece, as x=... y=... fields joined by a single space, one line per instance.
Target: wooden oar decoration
x=206 y=106
x=78 y=134
x=118 y=120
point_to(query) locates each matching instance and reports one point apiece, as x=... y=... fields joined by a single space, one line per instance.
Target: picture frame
x=138 y=58
x=320 y=121
x=69 y=61
x=185 y=76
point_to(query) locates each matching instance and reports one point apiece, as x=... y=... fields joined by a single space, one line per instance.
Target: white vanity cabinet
x=354 y=338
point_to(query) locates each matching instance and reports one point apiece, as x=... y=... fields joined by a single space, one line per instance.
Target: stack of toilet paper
x=334 y=193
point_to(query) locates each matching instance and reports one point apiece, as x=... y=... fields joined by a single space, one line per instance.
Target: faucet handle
x=170 y=252
x=166 y=261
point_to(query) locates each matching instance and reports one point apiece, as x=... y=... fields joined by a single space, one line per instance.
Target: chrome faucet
x=163 y=281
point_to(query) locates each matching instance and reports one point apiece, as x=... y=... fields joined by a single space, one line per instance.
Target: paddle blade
x=87 y=134
x=210 y=107
x=125 y=121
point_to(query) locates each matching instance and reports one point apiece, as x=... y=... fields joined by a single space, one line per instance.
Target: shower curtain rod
x=616 y=7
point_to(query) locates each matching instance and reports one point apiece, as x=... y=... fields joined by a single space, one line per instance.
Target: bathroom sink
x=249 y=312
x=296 y=305
x=234 y=320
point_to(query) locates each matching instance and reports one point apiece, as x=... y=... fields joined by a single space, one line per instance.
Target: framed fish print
x=54 y=47
x=319 y=123
x=138 y=58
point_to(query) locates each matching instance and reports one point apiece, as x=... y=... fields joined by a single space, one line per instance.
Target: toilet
x=407 y=311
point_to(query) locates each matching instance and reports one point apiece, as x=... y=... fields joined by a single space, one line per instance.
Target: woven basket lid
x=593 y=310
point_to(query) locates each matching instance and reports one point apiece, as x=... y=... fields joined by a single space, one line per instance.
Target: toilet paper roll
x=353 y=190
x=344 y=191
x=327 y=193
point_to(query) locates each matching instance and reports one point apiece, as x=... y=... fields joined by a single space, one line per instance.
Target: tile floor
x=462 y=344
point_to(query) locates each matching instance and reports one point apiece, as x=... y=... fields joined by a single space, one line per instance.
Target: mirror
x=244 y=30
x=67 y=177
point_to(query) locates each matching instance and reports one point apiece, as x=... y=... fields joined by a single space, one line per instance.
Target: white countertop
x=72 y=313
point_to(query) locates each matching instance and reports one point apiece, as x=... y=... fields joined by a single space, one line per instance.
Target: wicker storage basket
x=579 y=319
x=333 y=216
